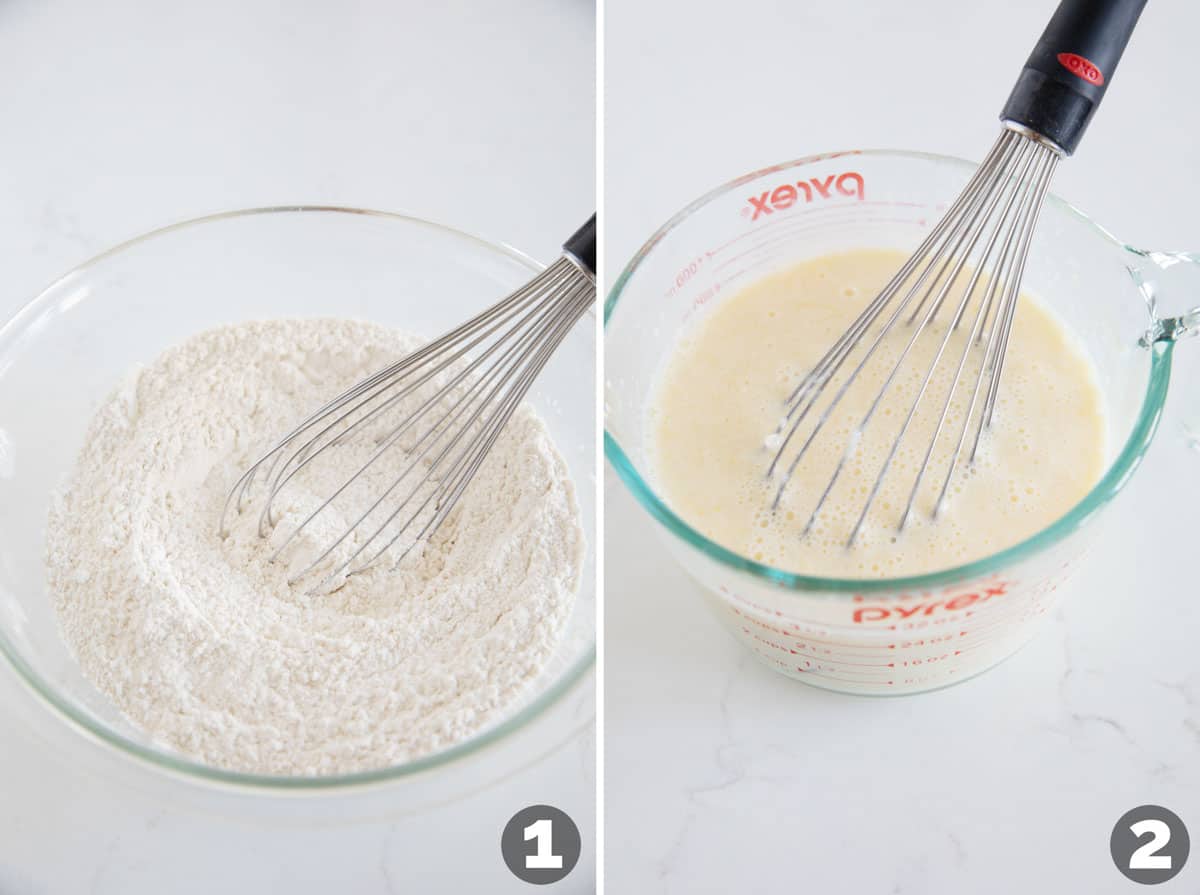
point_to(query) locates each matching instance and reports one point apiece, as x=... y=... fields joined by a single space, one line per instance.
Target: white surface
x=121 y=117
x=723 y=776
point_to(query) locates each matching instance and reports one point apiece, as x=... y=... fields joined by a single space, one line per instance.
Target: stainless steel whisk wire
x=943 y=254
x=463 y=417
x=988 y=227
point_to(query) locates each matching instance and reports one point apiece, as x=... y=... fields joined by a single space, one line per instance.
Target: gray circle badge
x=1149 y=844
x=540 y=844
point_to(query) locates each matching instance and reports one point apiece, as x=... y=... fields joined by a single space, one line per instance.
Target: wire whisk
x=984 y=237
x=988 y=227
x=443 y=407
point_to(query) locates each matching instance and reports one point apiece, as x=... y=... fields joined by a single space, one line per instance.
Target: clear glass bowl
x=897 y=635
x=63 y=353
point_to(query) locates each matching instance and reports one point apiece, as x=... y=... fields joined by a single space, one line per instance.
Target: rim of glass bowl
x=178 y=764
x=1105 y=489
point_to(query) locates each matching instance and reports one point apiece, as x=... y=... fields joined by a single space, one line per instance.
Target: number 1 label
x=540 y=844
x=544 y=858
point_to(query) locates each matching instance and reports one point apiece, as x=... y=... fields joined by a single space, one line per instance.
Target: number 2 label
x=1149 y=844
x=1146 y=857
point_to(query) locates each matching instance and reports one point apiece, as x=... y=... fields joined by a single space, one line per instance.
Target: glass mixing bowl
x=65 y=351
x=899 y=635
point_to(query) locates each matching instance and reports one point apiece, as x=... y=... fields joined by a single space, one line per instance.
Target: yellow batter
x=722 y=394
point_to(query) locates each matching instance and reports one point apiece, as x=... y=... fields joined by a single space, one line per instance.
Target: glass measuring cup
x=898 y=635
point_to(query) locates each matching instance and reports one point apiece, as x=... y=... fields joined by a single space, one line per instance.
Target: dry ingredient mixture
x=202 y=643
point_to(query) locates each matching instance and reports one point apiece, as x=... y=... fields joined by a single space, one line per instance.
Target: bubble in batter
x=722 y=394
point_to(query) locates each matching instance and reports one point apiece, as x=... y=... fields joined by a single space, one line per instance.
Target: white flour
x=202 y=643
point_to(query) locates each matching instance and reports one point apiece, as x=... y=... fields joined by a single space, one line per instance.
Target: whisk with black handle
x=987 y=229
x=443 y=406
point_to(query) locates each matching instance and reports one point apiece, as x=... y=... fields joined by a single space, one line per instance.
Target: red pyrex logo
x=785 y=196
x=1081 y=68
x=928 y=607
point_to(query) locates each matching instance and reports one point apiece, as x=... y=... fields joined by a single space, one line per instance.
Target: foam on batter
x=722 y=396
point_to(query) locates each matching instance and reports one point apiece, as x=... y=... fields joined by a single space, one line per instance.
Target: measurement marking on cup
x=822 y=661
x=863 y=676
x=844 y=680
x=735 y=276
x=781 y=233
x=800 y=648
x=823 y=211
x=924 y=639
x=782 y=230
x=800 y=639
x=825 y=658
x=939 y=658
x=687 y=272
x=799 y=635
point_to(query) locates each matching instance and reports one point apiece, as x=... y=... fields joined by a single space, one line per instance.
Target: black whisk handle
x=582 y=245
x=1070 y=68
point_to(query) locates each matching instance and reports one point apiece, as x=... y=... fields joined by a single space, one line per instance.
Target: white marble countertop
x=121 y=117
x=723 y=776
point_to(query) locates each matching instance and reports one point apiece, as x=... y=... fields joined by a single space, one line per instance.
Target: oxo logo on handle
x=1080 y=67
x=786 y=195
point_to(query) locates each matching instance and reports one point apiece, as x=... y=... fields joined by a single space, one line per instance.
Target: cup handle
x=1163 y=278
x=1170 y=282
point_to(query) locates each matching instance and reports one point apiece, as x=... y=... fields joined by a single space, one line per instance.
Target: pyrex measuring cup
x=899 y=635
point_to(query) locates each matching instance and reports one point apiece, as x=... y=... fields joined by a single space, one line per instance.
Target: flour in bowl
x=203 y=644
